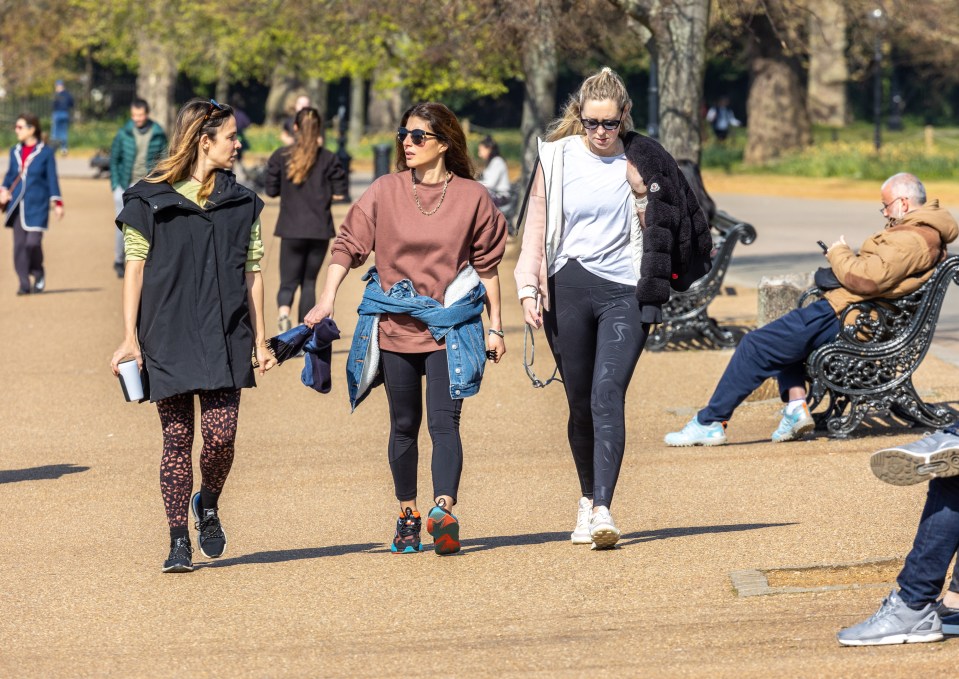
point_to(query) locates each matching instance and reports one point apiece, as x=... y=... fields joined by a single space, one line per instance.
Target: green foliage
x=849 y=153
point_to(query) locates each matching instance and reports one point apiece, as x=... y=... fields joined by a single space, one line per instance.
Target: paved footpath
x=308 y=586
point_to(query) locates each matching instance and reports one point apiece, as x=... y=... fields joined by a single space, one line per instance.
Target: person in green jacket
x=136 y=148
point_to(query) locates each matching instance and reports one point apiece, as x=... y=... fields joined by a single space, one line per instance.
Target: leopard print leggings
x=218 y=416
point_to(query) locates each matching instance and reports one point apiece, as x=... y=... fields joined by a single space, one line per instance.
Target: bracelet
x=498 y=333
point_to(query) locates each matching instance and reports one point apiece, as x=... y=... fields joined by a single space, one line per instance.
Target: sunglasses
x=591 y=123
x=418 y=136
x=214 y=106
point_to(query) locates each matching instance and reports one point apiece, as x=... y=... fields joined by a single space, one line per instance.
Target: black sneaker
x=211 y=538
x=949 y=617
x=181 y=557
x=407 y=538
x=120 y=269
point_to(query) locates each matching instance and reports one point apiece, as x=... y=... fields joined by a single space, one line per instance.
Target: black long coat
x=194 y=322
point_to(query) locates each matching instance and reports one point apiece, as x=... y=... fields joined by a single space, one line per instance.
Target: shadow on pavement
x=282 y=555
x=58 y=291
x=49 y=471
x=494 y=541
x=665 y=533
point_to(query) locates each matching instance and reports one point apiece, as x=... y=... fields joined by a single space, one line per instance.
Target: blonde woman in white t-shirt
x=576 y=277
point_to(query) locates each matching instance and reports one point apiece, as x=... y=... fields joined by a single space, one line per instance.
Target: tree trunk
x=357 y=126
x=222 y=91
x=387 y=104
x=539 y=64
x=776 y=107
x=282 y=85
x=316 y=90
x=828 y=71
x=156 y=78
x=679 y=35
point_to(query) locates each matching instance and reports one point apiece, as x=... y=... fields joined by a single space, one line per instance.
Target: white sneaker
x=602 y=530
x=581 y=535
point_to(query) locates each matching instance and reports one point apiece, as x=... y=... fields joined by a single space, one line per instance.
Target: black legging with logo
x=594 y=331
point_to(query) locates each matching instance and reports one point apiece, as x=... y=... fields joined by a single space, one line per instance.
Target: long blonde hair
x=605 y=84
x=196 y=118
x=302 y=156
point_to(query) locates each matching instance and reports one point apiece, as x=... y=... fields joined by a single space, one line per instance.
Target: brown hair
x=598 y=87
x=302 y=155
x=448 y=130
x=195 y=118
x=33 y=122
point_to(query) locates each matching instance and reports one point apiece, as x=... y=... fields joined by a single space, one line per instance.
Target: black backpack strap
x=521 y=215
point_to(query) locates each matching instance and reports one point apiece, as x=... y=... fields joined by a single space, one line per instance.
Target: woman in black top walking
x=307 y=178
x=193 y=311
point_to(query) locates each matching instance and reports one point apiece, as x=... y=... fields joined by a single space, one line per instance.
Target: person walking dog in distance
x=307 y=178
x=891 y=263
x=29 y=188
x=135 y=150
x=576 y=276
x=193 y=312
x=438 y=240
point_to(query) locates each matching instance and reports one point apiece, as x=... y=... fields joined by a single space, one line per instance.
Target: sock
x=208 y=498
x=793 y=406
x=178 y=532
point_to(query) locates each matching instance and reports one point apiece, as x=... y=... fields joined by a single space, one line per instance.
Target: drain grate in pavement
x=820 y=578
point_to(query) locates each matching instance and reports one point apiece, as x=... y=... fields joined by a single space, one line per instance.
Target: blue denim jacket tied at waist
x=459 y=322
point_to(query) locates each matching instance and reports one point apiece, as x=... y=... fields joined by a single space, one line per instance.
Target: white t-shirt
x=495 y=177
x=596 y=207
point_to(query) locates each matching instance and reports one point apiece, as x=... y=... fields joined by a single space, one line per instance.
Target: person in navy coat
x=28 y=189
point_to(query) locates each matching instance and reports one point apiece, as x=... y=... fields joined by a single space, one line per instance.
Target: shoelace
x=210 y=525
x=182 y=545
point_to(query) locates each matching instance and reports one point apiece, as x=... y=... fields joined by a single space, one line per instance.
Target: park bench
x=868 y=368
x=684 y=315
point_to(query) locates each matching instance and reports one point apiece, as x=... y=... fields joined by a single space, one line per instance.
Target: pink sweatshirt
x=429 y=251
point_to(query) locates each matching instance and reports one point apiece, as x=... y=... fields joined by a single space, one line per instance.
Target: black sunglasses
x=418 y=136
x=214 y=105
x=592 y=123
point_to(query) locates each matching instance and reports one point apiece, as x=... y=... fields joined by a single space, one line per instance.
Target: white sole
x=704 y=444
x=580 y=539
x=797 y=434
x=894 y=639
x=900 y=468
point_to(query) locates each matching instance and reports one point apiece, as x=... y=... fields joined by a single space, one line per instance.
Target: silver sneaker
x=581 y=535
x=602 y=530
x=894 y=623
x=936 y=455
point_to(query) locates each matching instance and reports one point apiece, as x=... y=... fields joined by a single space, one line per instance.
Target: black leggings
x=300 y=263
x=594 y=331
x=27 y=252
x=218 y=415
x=402 y=375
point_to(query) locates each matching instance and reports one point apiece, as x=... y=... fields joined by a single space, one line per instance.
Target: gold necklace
x=446 y=182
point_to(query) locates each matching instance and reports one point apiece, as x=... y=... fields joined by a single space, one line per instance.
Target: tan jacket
x=895 y=261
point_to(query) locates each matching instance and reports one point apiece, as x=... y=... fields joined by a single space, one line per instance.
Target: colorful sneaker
x=602 y=530
x=580 y=535
x=696 y=434
x=445 y=529
x=794 y=425
x=181 y=557
x=949 y=618
x=407 y=538
x=929 y=457
x=211 y=538
x=894 y=623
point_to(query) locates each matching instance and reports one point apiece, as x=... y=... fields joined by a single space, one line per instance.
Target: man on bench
x=891 y=263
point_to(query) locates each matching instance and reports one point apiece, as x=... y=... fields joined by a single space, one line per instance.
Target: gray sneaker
x=930 y=457
x=894 y=623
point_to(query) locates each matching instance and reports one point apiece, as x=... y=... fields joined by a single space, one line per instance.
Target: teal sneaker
x=696 y=434
x=794 y=425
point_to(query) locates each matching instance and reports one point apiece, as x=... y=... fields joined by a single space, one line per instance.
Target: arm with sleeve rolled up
x=487 y=250
x=877 y=272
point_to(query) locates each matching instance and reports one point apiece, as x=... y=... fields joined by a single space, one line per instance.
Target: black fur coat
x=676 y=239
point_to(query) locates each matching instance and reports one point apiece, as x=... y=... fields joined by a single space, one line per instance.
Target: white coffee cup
x=130 y=381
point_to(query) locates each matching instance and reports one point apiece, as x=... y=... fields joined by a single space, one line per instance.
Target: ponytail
x=302 y=157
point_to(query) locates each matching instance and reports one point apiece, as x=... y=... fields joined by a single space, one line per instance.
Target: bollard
x=381 y=160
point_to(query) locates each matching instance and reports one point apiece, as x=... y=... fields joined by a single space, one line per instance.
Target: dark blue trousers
x=937 y=540
x=778 y=349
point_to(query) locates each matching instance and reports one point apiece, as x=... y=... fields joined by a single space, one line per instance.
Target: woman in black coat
x=307 y=178
x=193 y=311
